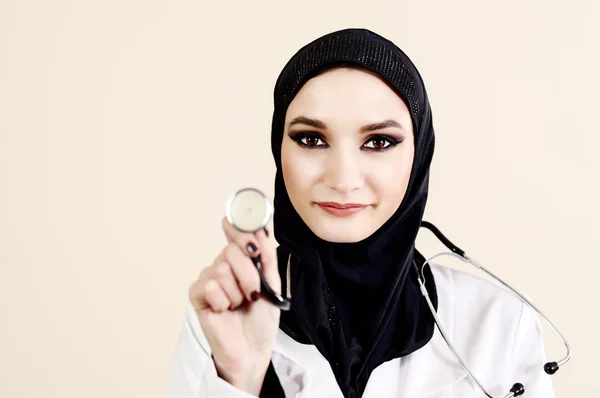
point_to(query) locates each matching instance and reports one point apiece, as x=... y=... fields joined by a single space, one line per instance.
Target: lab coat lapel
x=433 y=368
x=429 y=371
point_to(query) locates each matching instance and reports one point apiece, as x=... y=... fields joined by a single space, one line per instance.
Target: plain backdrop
x=126 y=124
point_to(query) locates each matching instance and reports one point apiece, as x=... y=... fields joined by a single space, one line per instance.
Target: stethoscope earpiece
x=551 y=368
x=517 y=389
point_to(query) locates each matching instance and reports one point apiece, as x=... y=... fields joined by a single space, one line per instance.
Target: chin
x=344 y=233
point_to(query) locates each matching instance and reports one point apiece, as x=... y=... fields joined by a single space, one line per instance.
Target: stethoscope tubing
x=276 y=299
x=518 y=388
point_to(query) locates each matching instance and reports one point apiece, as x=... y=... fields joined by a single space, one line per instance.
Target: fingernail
x=255 y=295
x=266 y=231
x=251 y=248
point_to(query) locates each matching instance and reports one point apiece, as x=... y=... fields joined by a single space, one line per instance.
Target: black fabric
x=358 y=303
x=271 y=387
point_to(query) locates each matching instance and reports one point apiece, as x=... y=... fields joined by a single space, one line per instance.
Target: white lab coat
x=497 y=335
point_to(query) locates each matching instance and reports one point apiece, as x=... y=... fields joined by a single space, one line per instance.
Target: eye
x=380 y=143
x=312 y=140
x=309 y=140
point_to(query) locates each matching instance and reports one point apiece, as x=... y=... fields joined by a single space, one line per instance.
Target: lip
x=341 y=209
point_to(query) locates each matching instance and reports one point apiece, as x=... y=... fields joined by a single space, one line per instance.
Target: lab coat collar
x=434 y=367
x=430 y=370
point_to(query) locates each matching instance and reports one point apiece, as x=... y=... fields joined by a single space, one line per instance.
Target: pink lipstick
x=341 y=209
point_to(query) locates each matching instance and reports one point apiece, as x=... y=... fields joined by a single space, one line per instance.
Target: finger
x=224 y=275
x=214 y=296
x=243 y=269
x=246 y=241
x=270 y=267
x=196 y=290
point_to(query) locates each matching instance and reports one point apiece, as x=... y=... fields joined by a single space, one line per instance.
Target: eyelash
x=298 y=137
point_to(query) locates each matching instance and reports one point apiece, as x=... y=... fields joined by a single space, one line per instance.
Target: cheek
x=299 y=172
x=391 y=180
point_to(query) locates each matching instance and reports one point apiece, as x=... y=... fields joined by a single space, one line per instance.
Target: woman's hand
x=238 y=323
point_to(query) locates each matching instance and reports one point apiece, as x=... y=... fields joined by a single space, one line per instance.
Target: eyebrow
x=381 y=126
x=364 y=129
x=308 y=121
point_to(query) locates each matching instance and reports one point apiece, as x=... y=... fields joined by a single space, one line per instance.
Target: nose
x=343 y=172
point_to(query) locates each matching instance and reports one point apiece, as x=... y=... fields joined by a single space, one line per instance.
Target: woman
x=352 y=139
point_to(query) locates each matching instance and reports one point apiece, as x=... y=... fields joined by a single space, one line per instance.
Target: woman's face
x=347 y=154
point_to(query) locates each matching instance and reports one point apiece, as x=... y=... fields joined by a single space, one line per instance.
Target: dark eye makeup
x=314 y=140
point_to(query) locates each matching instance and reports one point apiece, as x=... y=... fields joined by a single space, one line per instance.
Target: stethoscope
x=518 y=388
x=249 y=210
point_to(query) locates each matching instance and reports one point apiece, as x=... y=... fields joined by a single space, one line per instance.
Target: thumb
x=268 y=259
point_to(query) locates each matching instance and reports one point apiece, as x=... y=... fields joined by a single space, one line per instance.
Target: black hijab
x=358 y=303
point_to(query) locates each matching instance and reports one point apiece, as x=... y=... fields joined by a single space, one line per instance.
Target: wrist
x=248 y=378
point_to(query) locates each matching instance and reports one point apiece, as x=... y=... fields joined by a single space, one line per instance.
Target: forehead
x=350 y=95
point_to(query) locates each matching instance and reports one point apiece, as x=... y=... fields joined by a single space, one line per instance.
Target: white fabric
x=497 y=335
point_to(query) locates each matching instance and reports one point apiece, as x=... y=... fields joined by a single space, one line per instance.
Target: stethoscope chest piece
x=249 y=210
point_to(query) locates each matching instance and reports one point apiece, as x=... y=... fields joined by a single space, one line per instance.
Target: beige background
x=124 y=126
